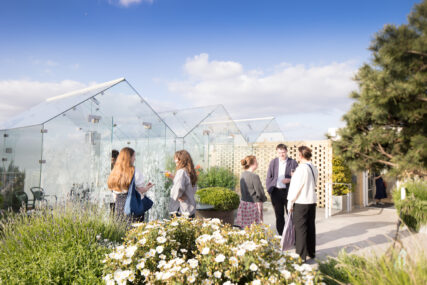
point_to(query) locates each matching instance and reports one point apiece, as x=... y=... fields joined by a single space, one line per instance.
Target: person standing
x=380 y=189
x=252 y=194
x=278 y=179
x=302 y=202
x=121 y=178
x=184 y=188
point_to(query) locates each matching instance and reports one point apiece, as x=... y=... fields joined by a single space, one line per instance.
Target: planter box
x=342 y=203
x=224 y=216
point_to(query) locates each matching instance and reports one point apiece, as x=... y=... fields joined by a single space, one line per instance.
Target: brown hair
x=282 y=147
x=123 y=170
x=305 y=152
x=248 y=161
x=185 y=161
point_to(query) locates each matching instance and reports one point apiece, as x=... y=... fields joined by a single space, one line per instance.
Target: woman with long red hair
x=121 y=177
x=184 y=186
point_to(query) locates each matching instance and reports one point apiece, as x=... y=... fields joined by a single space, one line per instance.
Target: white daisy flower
x=161 y=240
x=205 y=250
x=159 y=249
x=220 y=258
x=217 y=274
x=253 y=267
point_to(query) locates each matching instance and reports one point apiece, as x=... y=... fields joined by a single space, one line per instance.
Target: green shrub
x=221 y=198
x=195 y=251
x=60 y=246
x=390 y=269
x=341 y=173
x=217 y=177
x=412 y=210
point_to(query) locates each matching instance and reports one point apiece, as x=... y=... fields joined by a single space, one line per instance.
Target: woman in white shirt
x=302 y=202
x=121 y=177
x=184 y=188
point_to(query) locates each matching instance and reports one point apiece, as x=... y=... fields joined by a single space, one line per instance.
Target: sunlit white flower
x=207 y=282
x=234 y=261
x=150 y=226
x=140 y=265
x=193 y=263
x=145 y=272
x=285 y=273
x=183 y=250
x=263 y=241
x=205 y=250
x=217 y=274
x=191 y=279
x=116 y=255
x=162 y=256
x=173 y=252
x=184 y=270
x=161 y=240
x=227 y=283
x=136 y=225
x=159 y=249
x=174 y=224
x=159 y=275
x=161 y=264
x=241 y=252
x=253 y=267
x=306 y=267
x=220 y=258
x=216 y=221
x=109 y=279
x=179 y=261
x=130 y=251
x=256 y=282
x=127 y=261
x=142 y=241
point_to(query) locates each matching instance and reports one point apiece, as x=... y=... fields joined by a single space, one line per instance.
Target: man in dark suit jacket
x=278 y=180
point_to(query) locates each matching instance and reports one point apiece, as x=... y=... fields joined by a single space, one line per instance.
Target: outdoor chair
x=39 y=195
x=22 y=199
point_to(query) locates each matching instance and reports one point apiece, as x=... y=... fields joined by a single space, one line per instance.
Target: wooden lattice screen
x=229 y=156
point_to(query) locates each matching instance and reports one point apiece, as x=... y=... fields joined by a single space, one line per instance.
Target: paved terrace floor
x=364 y=231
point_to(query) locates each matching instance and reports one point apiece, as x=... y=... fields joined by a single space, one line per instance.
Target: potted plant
x=341 y=185
x=216 y=177
x=217 y=202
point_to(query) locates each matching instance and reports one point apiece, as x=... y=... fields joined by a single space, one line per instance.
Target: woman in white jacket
x=302 y=202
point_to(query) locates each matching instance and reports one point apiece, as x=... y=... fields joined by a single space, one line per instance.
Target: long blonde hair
x=185 y=161
x=123 y=170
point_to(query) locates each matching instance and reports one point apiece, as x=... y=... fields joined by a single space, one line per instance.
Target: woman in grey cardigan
x=184 y=188
x=252 y=194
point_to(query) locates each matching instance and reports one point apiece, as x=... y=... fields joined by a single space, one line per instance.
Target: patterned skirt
x=119 y=210
x=247 y=214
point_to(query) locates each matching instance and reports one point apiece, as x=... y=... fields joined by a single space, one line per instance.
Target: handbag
x=288 y=236
x=134 y=205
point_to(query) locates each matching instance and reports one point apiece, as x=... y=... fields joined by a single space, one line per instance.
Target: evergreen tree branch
x=378 y=160
x=381 y=150
x=417 y=52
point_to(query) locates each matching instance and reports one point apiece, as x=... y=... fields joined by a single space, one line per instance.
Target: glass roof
x=55 y=106
x=260 y=129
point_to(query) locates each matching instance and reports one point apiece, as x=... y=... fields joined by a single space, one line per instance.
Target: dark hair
x=305 y=152
x=282 y=147
x=114 y=153
x=185 y=161
x=248 y=161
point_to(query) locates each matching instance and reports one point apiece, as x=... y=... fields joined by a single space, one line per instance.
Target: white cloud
x=127 y=3
x=248 y=93
x=18 y=95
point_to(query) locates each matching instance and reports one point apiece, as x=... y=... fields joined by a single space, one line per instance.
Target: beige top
x=182 y=186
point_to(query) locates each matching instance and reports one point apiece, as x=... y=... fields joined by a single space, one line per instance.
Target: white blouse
x=139 y=182
x=303 y=185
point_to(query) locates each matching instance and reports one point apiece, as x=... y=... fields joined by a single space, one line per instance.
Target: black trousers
x=305 y=230
x=279 y=199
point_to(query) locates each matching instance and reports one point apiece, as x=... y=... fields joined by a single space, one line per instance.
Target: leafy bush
x=195 y=251
x=390 y=269
x=341 y=173
x=221 y=198
x=217 y=177
x=412 y=210
x=62 y=246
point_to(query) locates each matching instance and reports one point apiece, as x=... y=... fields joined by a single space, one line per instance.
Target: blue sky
x=179 y=53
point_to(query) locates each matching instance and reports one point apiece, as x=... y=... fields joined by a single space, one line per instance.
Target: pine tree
x=387 y=124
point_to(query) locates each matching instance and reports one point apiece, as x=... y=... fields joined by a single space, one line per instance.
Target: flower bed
x=183 y=251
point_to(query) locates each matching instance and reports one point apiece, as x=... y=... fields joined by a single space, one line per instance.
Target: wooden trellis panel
x=229 y=156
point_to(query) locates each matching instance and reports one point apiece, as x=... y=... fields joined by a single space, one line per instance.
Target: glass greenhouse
x=258 y=130
x=200 y=129
x=64 y=145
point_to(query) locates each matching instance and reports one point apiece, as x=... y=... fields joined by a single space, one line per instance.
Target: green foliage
x=386 y=126
x=389 y=269
x=221 y=198
x=341 y=173
x=195 y=251
x=170 y=167
x=60 y=246
x=413 y=210
x=217 y=177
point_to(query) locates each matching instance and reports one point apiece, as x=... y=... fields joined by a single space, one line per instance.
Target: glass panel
x=19 y=166
x=260 y=130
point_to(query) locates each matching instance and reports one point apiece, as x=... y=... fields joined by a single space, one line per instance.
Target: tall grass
x=389 y=269
x=61 y=246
